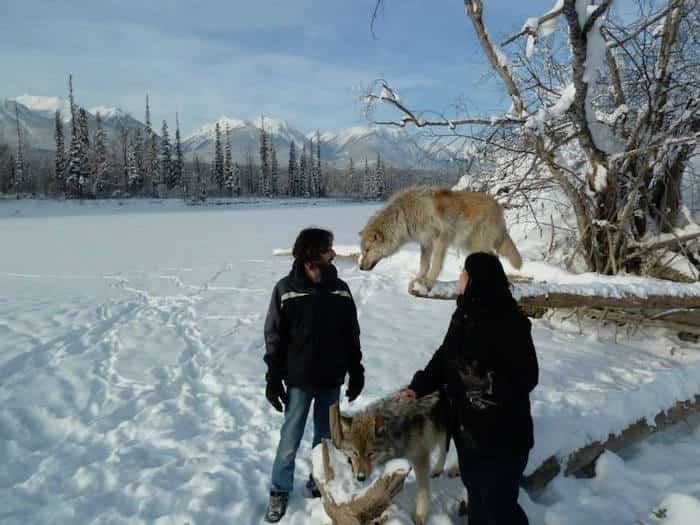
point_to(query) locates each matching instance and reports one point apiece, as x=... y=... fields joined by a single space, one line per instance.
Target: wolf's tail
x=510 y=252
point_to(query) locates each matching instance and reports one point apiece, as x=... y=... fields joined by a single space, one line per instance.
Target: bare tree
x=604 y=112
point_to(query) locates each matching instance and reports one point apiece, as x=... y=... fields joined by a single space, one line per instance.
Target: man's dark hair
x=311 y=243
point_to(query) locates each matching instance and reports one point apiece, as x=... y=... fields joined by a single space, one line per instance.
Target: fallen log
x=551 y=295
x=581 y=463
x=366 y=509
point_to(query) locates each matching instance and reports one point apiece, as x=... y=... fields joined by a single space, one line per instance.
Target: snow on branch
x=389 y=96
x=533 y=26
x=588 y=49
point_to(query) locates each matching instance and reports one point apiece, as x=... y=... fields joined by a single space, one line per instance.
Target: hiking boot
x=311 y=486
x=276 y=507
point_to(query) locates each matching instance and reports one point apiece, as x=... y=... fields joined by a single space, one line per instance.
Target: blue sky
x=305 y=61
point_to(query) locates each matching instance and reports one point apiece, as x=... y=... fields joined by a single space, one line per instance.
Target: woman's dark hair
x=487 y=283
x=311 y=243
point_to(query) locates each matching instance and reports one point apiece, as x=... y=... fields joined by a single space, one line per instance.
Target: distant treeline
x=139 y=163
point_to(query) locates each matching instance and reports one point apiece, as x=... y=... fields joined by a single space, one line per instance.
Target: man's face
x=326 y=257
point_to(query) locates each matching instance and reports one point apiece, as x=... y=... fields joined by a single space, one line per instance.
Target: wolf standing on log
x=436 y=218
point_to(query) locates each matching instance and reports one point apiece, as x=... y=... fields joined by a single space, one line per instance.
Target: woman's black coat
x=489 y=346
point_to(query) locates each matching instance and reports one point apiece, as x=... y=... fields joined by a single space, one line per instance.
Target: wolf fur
x=389 y=429
x=436 y=218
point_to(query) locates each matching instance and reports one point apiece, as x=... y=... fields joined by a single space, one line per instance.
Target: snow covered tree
x=135 y=181
x=265 y=183
x=60 y=164
x=19 y=176
x=149 y=168
x=84 y=185
x=314 y=186
x=274 y=170
x=292 y=172
x=251 y=183
x=379 y=180
x=350 y=180
x=367 y=182
x=218 y=159
x=100 y=163
x=319 y=174
x=228 y=164
x=179 y=161
x=302 y=176
x=607 y=111
x=166 y=158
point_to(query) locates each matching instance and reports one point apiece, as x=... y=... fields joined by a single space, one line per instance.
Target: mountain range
x=395 y=146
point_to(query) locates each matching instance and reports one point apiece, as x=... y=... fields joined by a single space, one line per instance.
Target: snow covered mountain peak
x=107 y=112
x=46 y=105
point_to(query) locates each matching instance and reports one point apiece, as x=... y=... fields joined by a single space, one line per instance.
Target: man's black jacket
x=491 y=345
x=312 y=337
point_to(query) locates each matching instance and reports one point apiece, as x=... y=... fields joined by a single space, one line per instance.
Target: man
x=312 y=340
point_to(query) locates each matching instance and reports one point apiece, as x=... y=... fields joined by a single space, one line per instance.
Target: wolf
x=436 y=218
x=392 y=428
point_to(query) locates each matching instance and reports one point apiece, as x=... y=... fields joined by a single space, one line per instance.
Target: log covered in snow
x=582 y=462
x=661 y=295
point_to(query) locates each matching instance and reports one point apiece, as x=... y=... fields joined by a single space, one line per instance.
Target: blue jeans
x=295 y=413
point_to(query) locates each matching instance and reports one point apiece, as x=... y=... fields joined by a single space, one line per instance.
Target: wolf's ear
x=378 y=236
x=378 y=425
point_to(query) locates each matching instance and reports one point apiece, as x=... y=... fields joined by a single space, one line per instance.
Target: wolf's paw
x=436 y=473
x=420 y=284
x=453 y=471
x=418 y=520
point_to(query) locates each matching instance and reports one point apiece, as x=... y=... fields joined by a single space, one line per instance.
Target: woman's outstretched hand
x=406 y=393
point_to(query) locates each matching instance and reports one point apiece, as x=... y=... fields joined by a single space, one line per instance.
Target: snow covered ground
x=131 y=373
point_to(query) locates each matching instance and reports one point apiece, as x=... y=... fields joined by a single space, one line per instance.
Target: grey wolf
x=312 y=341
x=436 y=218
x=391 y=428
x=485 y=369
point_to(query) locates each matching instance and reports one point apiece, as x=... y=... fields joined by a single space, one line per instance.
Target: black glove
x=355 y=385
x=276 y=394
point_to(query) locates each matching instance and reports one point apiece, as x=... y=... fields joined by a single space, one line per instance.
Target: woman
x=485 y=369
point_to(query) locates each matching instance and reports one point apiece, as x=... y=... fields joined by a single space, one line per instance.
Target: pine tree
x=228 y=163
x=367 y=181
x=379 y=180
x=236 y=180
x=265 y=186
x=250 y=173
x=218 y=168
x=135 y=181
x=292 y=186
x=274 y=170
x=200 y=180
x=319 y=174
x=60 y=157
x=124 y=146
x=179 y=163
x=350 y=182
x=84 y=155
x=150 y=155
x=312 y=184
x=19 y=159
x=166 y=158
x=100 y=162
x=72 y=106
x=301 y=178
